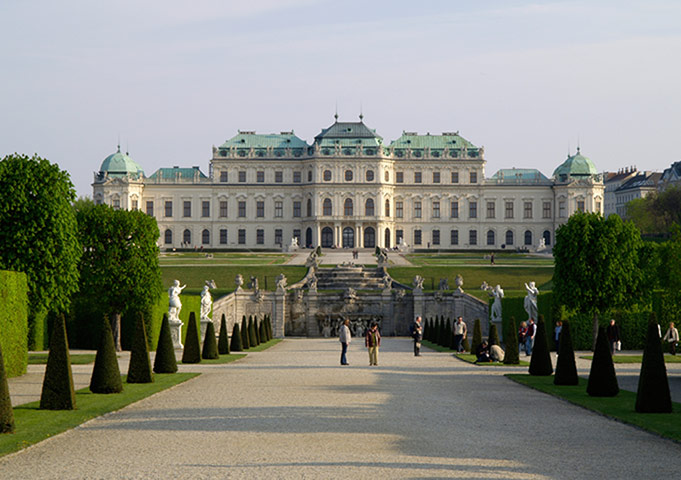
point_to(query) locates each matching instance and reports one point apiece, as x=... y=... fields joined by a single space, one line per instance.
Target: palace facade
x=351 y=189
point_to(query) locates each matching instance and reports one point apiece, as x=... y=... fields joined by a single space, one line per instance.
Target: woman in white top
x=672 y=336
x=344 y=338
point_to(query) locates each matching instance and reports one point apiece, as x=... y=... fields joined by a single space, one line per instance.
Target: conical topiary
x=165 y=361
x=256 y=328
x=237 y=344
x=440 y=332
x=210 y=346
x=223 y=339
x=447 y=334
x=252 y=338
x=602 y=378
x=452 y=341
x=540 y=363
x=566 y=368
x=269 y=326
x=6 y=411
x=106 y=376
x=192 y=344
x=493 y=337
x=477 y=336
x=261 y=331
x=511 y=355
x=139 y=369
x=245 y=341
x=58 y=392
x=653 y=387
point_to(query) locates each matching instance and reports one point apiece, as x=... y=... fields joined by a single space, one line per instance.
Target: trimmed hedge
x=602 y=377
x=210 y=346
x=192 y=345
x=14 y=322
x=237 y=339
x=511 y=343
x=106 y=375
x=139 y=368
x=540 y=362
x=223 y=341
x=653 y=394
x=566 y=368
x=58 y=392
x=6 y=411
x=165 y=361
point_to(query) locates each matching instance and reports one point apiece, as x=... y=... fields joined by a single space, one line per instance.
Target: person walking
x=529 y=337
x=613 y=332
x=416 y=330
x=460 y=332
x=556 y=335
x=522 y=333
x=372 y=341
x=672 y=336
x=344 y=338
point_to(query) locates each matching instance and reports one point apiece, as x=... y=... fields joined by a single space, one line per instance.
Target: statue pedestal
x=204 y=326
x=176 y=332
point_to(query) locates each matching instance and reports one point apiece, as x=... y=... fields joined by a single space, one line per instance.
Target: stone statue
x=281 y=281
x=542 y=245
x=459 y=283
x=418 y=282
x=206 y=303
x=530 y=302
x=387 y=282
x=174 y=303
x=444 y=284
x=312 y=283
x=238 y=281
x=498 y=293
x=254 y=283
x=382 y=258
x=294 y=242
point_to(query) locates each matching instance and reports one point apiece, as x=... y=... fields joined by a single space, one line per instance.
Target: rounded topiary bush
x=106 y=376
x=223 y=339
x=512 y=355
x=566 y=368
x=165 y=361
x=6 y=411
x=192 y=345
x=58 y=392
x=540 y=363
x=139 y=369
x=210 y=346
x=602 y=378
x=237 y=344
x=653 y=386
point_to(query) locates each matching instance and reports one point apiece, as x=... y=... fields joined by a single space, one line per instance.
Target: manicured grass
x=264 y=346
x=229 y=358
x=34 y=425
x=470 y=358
x=436 y=347
x=195 y=276
x=635 y=358
x=481 y=258
x=76 y=358
x=223 y=258
x=620 y=407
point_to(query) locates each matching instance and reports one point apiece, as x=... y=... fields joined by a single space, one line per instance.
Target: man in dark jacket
x=613 y=332
x=416 y=330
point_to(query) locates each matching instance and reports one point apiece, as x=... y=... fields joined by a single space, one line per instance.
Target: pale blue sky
x=173 y=78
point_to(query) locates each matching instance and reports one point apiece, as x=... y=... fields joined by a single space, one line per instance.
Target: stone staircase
x=359 y=278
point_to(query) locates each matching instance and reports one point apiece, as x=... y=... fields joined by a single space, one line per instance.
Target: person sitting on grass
x=482 y=352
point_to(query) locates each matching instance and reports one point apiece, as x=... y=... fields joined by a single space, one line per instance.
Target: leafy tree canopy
x=596 y=263
x=657 y=212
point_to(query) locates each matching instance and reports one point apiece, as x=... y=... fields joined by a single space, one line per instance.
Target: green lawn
x=34 y=425
x=620 y=407
x=229 y=358
x=470 y=358
x=76 y=359
x=436 y=347
x=478 y=258
x=195 y=276
x=264 y=346
x=223 y=258
x=635 y=358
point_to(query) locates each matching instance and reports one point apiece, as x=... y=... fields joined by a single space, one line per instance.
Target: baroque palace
x=350 y=189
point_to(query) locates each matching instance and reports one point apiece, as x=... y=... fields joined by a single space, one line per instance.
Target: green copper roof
x=348 y=134
x=446 y=140
x=176 y=173
x=519 y=176
x=575 y=166
x=120 y=164
x=257 y=140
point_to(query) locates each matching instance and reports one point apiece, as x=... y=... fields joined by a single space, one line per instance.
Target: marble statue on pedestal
x=206 y=307
x=530 y=302
x=174 y=307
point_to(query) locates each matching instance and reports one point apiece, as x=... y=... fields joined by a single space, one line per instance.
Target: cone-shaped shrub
x=511 y=355
x=566 y=368
x=261 y=330
x=192 y=344
x=446 y=335
x=653 y=387
x=210 y=346
x=245 y=341
x=223 y=339
x=466 y=346
x=58 y=392
x=252 y=336
x=477 y=335
x=256 y=328
x=237 y=343
x=493 y=337
x=139 y=370
x=269 y=326
x=602 y=378
x=452 y=342
x=540 y=363
x=165 y=361
x=106 y=376
x=6 y=411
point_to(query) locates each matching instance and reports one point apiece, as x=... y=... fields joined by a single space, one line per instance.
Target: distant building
x=612 y=181
x=639 y=186
x=671 y=177
x=350 y=189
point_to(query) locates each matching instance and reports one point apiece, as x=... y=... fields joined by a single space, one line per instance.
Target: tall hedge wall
x=14 y=321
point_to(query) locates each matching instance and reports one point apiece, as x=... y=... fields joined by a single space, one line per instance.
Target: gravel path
x=292 y=412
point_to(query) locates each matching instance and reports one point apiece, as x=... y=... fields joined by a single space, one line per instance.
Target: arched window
x=347 y=207
x=327 y=237
x=370 y=175
x=348 y=175
x=387 y=176
x=187 y=237
x=327 y=207
x=308 y=237
x=547 y=237
x=386 y=241
x=490 y=237
x=327 y=175
x=369 y=237
x=369 y=207
x=205 y=237
x=509 y=237
x=309 y=207
x=528 y=237
x=387 y=208
x=348 y=237
x=168 y=236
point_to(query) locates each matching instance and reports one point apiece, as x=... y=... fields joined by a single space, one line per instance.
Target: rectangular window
x=150 y=208
x=527 y=209
x=436 y=177
x=436 y=209
x=223 y=176
x=436 y=237
x=309 y=175
x=260 y=236
x=473 y=210
x=546 y=210
x=223 y=208
x=296 y=235
x=417 y=209
x=223 y=236
x=561 y=209
x=474 y=177
x=187 y=208
x=455 y=177
x=134 y=205
x=278 y=209
x=508 y=211
x=242 y=177
x=417 y=177
x=473 y=237
x=454 y=210
x=399 y=177
x=296 y=208
x=296 y=177
x=399 y=236
x=580 y=205
x=399 y=209
x=417 y=237
x=260 y=176
x=242 y=209
x=205 y=208
x=277 y=236
x=491 y=211
x=454 y=237
x=598 y=206
x=278 y=177
x=116 y=203
x=169 y=208
x=242 y=236
x=260 y=209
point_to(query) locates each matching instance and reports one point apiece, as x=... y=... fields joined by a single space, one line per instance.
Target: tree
x=119 y=268
x=653 y=386
x=657 y=212
x=237 y=339
x=58 y=392
x=192 y=344
x=6 y=410
x=602 y=378
x=540 y=363
x=139 y=369
x=38 y=236
x=511 y=356
x=165 y=361
x=106 y=376
x=223 y=340
x=210 y=346
x=566 y=368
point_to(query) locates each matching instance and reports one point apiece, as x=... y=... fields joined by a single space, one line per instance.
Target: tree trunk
x=116 y=330
x=595 y=332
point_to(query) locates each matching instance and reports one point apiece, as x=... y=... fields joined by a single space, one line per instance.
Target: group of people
x=372 y=341
x=526 y=334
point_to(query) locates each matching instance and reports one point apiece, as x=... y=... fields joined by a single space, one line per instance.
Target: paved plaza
x=293 y=412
